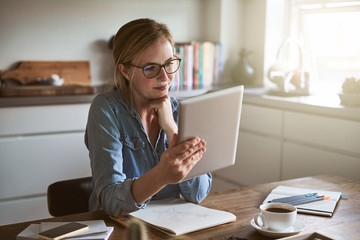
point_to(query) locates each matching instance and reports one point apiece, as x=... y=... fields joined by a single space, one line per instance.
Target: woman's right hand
x=177 y=161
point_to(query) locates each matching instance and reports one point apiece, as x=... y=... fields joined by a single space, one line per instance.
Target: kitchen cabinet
x=301 y=160
x=334 y=134
x=320 y=145
x=39 y=145
x=257 y=161
x=278 y=144
x=258 y=157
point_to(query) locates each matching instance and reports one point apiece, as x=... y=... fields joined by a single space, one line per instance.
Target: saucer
x=294 y=229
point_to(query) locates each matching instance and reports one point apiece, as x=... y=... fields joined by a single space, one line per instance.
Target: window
x=329 y=32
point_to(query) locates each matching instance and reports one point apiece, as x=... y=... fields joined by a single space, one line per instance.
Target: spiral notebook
x=324 y=207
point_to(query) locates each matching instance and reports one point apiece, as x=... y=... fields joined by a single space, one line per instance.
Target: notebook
x=176 y=216
x=214 y=117
x=323 y=207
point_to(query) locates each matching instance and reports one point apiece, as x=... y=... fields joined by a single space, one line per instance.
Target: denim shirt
x=120 y=152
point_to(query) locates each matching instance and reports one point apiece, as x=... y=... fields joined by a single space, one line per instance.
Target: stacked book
x=96 y=229
x=201 y=66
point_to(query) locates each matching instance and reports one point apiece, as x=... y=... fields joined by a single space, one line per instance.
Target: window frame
x=300 y=10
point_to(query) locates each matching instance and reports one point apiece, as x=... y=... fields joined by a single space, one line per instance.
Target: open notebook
x=176 y=217
x=324 y=207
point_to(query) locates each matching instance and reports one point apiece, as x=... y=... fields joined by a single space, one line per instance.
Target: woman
x=132 y=131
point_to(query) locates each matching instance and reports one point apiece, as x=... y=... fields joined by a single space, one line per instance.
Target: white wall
x=80 y=29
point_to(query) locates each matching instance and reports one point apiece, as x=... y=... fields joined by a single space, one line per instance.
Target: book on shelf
x=188 y=67
x=196 y=65
x=323 y=207
x=201 y=66
x=176 y=216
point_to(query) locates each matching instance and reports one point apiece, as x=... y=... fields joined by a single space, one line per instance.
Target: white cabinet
x=261 y=120
x=320 y=145
x=258 y=158
x=324 y=132
x=277 y=144
x=38 y=146
x=300 y=160
x=257 y=161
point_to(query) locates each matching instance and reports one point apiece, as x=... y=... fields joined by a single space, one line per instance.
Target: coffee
x=278 y=217
x=278 y=210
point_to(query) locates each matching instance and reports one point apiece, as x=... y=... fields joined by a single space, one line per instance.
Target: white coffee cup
x=278 y=217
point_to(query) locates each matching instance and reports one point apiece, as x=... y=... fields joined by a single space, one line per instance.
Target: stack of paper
x=97 y=230
x=176 y=216
x=324 y=207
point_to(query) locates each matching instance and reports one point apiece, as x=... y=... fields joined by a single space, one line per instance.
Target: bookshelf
x=200 y=69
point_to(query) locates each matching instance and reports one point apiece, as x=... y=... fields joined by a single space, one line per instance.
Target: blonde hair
x=130 y=40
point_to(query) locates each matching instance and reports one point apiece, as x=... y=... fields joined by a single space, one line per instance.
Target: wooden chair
x=69 y=196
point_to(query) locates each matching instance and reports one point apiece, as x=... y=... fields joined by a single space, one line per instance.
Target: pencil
x=293 y=198
x=305 y=200
x=121 y=222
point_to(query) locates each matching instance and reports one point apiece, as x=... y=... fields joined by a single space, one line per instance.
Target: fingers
x=158 y=105
x=185 y=149
x=190 y=152
x=177 y=161
x=194 y=158
x=195 y=149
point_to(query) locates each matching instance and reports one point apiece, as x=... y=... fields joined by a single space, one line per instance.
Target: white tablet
x=214 y=117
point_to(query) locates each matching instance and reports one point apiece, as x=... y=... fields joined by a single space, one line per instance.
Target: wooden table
x=244 y=203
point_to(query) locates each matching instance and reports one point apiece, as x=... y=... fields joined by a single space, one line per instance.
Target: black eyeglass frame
x=160 y=67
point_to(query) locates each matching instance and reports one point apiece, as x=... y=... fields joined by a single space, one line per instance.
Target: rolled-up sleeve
x=112 y=191
x=196 y=189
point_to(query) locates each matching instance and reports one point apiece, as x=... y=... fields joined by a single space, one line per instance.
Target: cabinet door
x=262 y=120
x=43 y=119
x=22 y=210
x=29 y=164
x=324 y=132
x=302 y=161
x=257 y=161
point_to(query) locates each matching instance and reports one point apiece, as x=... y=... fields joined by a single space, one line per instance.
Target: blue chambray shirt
x=120 y=151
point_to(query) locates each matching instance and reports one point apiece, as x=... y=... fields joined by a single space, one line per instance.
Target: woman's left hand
x=163 y=110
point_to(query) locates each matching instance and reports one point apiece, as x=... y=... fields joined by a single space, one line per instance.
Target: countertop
x=44 y=100
x=320 y=104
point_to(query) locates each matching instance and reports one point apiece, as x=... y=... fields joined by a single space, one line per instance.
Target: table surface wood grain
x=244 y=203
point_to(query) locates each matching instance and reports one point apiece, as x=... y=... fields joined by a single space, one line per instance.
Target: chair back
x=69 y=196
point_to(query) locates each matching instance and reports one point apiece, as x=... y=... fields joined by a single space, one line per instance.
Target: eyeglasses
x=153 y=70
